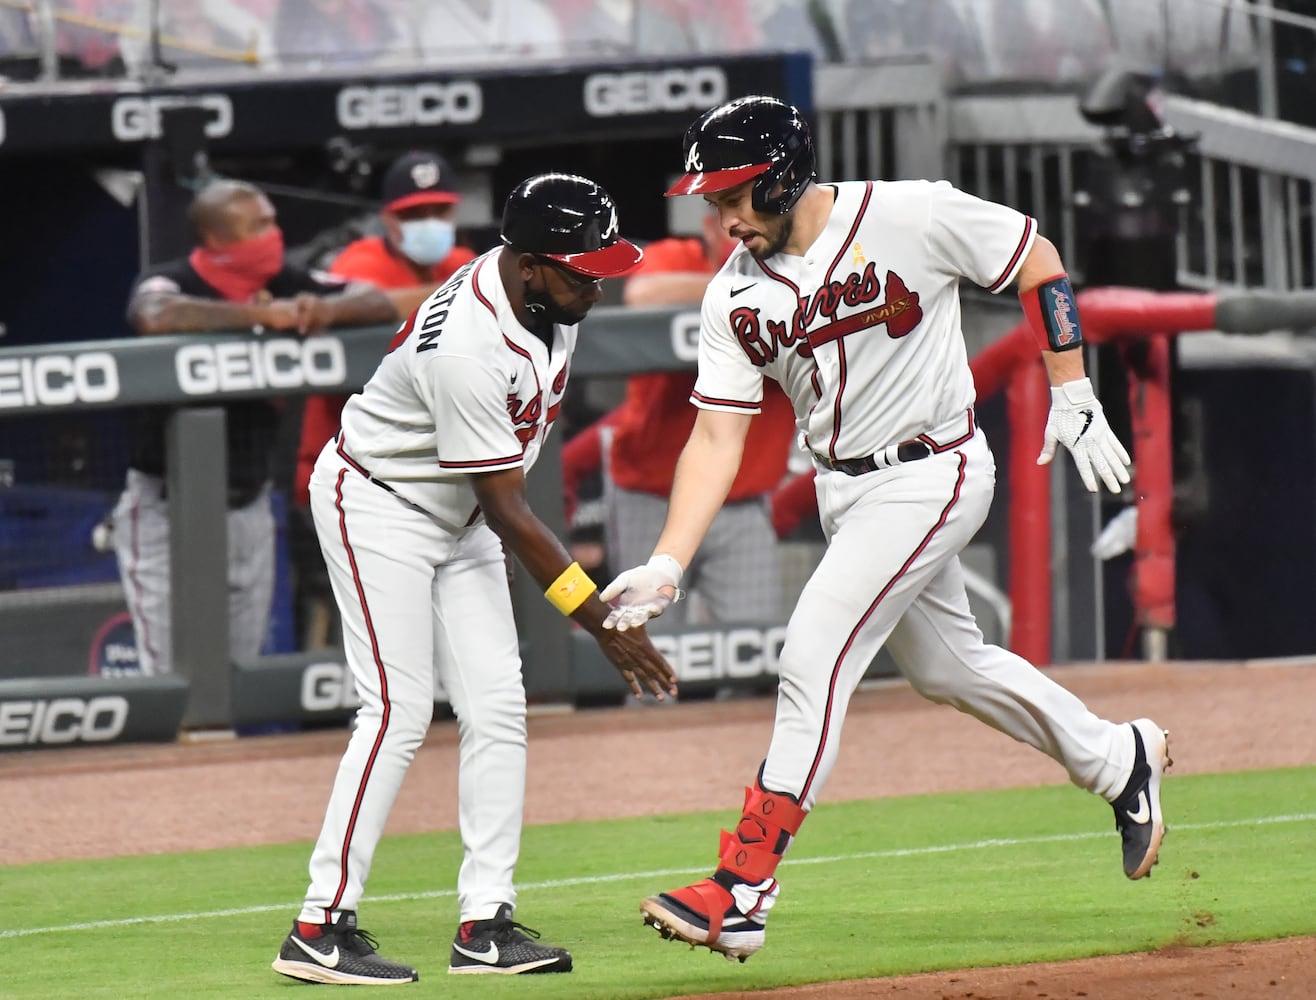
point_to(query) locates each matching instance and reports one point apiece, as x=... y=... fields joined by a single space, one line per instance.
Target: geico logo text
x=608 y=94
x=62 y=720
x=457 y=103
x=133 y=119
x=735 y=652
x=327 y=687
x=260 y=364
x=58 y=380
x=685 y=336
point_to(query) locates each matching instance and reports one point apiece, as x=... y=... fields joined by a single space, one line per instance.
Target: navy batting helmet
x=759 y=138
x=571 y=220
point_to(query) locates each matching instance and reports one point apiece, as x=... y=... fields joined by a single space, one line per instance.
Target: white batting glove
x=638 y=594
x=1078 y=422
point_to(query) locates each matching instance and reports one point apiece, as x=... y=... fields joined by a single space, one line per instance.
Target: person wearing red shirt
x=735 y=573
x=416 y=254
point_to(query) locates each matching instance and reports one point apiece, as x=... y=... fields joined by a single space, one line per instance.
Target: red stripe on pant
x=836 y=669
x=383 y=692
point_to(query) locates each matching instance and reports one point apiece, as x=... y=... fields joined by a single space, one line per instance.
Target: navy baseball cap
x=419 y=178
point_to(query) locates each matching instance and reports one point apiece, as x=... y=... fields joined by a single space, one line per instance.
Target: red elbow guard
x=1053 y=314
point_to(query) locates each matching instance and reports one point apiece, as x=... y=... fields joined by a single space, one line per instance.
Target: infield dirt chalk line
x=903 y=852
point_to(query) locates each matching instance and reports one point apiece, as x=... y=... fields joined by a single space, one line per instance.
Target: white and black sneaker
x=1138 y=808
x=338 y=952
x=501 y=945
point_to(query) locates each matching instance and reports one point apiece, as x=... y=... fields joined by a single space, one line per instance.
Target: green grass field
x=870 y=888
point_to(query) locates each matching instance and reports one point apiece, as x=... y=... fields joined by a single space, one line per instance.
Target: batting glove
x=638 y=594
x=1078 y=422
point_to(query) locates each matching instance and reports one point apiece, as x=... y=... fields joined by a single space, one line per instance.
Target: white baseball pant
x=891 y=575
x=414 y=593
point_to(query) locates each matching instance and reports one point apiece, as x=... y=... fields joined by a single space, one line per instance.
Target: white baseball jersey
x=863 y=332
x=456 y=394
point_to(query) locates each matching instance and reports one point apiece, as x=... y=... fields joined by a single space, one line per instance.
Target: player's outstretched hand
x=1078 y=422
x=638 y=662
x=642 y=593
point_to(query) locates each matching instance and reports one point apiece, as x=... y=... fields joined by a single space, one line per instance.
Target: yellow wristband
x=569 y=591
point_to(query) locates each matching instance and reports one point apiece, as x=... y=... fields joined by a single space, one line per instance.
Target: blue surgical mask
x=427 y=241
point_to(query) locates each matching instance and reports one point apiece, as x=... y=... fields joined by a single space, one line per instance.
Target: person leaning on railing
x=234 y=279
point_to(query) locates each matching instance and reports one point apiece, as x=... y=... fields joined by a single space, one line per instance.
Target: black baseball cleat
x=339 y=953
x=501 y=945
x=1138 y=809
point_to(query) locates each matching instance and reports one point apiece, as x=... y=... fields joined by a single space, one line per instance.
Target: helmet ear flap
x=791 y=172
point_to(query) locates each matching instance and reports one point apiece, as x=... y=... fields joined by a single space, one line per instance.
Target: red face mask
x=240 y=270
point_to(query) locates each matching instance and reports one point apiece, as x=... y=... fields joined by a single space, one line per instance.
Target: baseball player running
x=413 y=503
x=846 y=294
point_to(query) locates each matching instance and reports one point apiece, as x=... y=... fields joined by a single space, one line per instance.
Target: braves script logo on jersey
x=525 y=415
x=899 y=310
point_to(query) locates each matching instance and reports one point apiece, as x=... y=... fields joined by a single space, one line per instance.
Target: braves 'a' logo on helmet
x=693 y=162
x=611 y=230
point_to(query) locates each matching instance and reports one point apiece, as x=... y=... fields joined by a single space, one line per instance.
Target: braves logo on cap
x=693 y=162
x=425 y=175
x=613 y=227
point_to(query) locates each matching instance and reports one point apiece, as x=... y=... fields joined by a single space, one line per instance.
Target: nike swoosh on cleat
x=744 y=288
x=1086 y=424
x=1143 y=813
x=490 y=956
x=329 y=961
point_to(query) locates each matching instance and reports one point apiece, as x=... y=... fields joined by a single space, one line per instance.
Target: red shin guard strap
x=754 y=850
x=773 y=810
x=713 y=898
x=751 y=863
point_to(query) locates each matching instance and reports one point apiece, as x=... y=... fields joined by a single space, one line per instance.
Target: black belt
x=342 y=453
x=906 y=451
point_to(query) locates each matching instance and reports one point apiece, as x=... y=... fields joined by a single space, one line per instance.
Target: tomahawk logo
x=693 y=162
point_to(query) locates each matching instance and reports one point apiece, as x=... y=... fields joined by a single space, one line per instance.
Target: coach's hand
x=642 y=593
x=639 y=663
x=1078 y=422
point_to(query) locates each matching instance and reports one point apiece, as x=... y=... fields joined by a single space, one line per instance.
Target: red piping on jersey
x=850 y=640
x=383 y=693
x=485 y=462
x=475 y=287
x=1014 y=260
x=938 y=448
x=738 y=404
x=842 y=368
x=840 y=347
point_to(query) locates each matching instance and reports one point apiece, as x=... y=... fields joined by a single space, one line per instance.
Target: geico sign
x=685 y=336
x=608 y=94
x=204 y=369
x=135 y=118
x=58 y=380
x=62 y=720
x=458 y=103
x=327 y=687
x=736 y=652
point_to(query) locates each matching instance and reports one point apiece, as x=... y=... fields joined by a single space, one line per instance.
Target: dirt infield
x=86 y=803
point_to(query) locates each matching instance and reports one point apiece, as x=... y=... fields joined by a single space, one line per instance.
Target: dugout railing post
x=196 y=490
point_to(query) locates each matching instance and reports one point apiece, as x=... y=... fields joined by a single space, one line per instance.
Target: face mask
x=427 y=241
x=544 y=307
x=258 y=258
